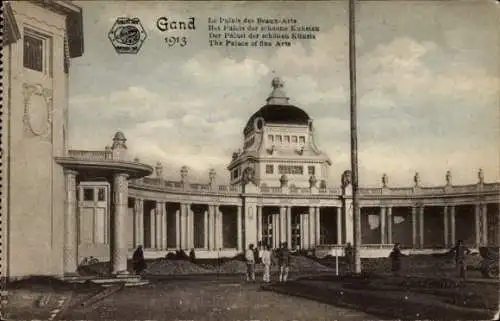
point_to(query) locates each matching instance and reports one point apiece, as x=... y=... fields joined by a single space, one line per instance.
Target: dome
x=278 y=110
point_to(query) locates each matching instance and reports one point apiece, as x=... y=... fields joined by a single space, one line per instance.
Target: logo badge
x=127 y=35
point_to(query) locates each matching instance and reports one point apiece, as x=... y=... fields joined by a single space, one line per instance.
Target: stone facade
x=62 y=206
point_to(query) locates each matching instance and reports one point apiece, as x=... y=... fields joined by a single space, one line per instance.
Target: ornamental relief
x=38 y=111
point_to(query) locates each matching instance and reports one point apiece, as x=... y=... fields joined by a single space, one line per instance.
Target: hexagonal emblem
x=127 y=35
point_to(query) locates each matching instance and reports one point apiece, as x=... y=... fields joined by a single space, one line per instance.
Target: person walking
x=460 y=251
x=396 y=256
x=250 y=259
x=138 y=261
x=284 y=262
x=265 y=257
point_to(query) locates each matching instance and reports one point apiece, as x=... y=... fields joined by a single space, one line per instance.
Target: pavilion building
x=60 y=206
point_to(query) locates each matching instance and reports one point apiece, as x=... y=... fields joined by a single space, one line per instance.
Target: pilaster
x=240 y=228
x=421 y=226
x=414 y=225
x=389 y=225
x=289 y=226
x=317 y=224
x=220 y=239
x=445 y=225
x=382 y=225
x=158 y=224
x=484 y=224
x=178 y=242
x=452 y=224
x=477 y=220
x=349 y=224
x=250 y=219
x=259 y=223
x=312 y=237
x=164 y=214
x=205 y=230
x=152 y=228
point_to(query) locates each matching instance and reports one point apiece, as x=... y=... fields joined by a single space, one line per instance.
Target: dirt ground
x=209 y=300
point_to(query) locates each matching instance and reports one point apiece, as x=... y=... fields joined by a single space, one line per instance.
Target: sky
x=427 y=86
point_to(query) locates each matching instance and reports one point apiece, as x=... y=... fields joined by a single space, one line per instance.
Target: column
x=484 y=221
x=178 y=232
x=421 y=226
x=312 y=237
x=135 y=242
x=259 y=223
x=446 y=222
x=317 y=224
x=211 y=227
x=276 y=230
x=158 y=224
x=205 y=230
x=382 y=225
x=152 y=228
x=189 y=227
x=305 y=230
x=302 y=231
x=220 y=243
x=120 y=189
x=389 y=225
x=70 y=234
x=289 y=226
x=477 y=219
x=452 y=224
x=141 y=221
x=339 y=225
x=414 y=225
x=240 y=228
x=164 y=213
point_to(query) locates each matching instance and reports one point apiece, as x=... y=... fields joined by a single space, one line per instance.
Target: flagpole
x=354 y=137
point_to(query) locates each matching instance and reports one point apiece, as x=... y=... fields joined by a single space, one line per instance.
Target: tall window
x=270 y=138
x=310 y=170
x=287 y=139
x=279 y=138
x=269 y=169
x=294 y=139
x=37 y=52
x=302 y=139
x=33 y=52
x=267 y=230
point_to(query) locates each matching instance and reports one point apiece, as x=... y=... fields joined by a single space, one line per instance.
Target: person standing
x=265 y=256
x=284 y=262
x=461 y=251
x=250 y=259
x=396 y=256
x=138 y=260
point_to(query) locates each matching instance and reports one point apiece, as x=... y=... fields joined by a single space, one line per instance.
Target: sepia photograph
x=250 y=160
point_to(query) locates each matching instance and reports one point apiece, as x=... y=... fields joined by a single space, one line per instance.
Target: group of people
x=254 y=256
x=264 y=255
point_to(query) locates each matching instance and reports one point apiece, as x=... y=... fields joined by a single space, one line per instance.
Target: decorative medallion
x=38 y=110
